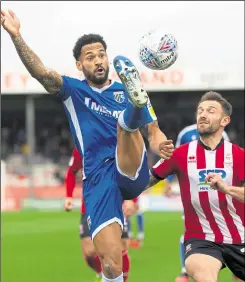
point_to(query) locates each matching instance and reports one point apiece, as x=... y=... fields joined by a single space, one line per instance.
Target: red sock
x=94 y=263
x=126 y=264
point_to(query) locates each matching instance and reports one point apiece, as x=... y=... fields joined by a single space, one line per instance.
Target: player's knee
x=112 y=269
x=203 y=276
x=111 y=261
x=203 y=268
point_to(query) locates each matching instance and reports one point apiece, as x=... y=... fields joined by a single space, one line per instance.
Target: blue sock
x=132 y=118
x=182 y=254
x=130 y=233
x=140 y=225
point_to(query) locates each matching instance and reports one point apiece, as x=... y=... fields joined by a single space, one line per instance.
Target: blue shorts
x=105 y=191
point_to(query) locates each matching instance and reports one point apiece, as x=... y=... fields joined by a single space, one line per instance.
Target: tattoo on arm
x=152 y=182
x=49 y=78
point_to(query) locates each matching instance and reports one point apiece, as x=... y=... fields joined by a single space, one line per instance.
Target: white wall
x=210 y=34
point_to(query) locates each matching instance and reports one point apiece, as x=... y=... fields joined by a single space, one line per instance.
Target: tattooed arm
x=49 y=78
x=153 y=181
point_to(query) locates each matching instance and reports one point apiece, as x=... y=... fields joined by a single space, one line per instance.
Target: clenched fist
x=166 y=149
x=216 y=182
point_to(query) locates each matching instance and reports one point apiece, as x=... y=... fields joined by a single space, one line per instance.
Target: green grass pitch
x=45 y=247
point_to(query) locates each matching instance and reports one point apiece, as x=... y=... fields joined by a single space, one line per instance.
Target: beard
x=93 y=78
x=208 y=130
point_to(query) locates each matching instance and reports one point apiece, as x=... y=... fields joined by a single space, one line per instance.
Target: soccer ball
x=158 y=51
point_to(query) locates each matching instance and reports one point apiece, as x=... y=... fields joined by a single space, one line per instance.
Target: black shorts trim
x=230 y=255
x=199 y=246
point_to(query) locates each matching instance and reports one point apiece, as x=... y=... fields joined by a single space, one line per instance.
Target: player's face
x=94 y=63
x=210 y=118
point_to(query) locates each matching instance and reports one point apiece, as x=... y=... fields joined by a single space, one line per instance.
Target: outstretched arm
x=237 y=192
x=49 y=78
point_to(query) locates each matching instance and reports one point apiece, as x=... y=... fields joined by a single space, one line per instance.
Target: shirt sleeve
x=180 y=141
x=70 y=182
x=66 y=90
x=75 y=165
x=239 y=169
x=163 y=168
x=75 y=161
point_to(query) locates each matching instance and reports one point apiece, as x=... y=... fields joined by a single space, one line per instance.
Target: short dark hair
x=85 y=40
x=215 y=96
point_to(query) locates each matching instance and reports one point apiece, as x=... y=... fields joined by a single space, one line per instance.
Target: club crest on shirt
x=228 y=160
x=119 y=96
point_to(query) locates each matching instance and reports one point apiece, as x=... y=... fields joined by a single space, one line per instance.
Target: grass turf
x=44 y=247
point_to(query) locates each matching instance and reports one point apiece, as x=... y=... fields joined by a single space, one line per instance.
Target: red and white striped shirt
x=209 y=214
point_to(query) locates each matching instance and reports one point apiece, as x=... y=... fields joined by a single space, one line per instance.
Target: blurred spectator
x=54 y=142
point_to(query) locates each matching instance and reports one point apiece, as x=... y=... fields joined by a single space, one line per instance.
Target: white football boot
x=130 y=78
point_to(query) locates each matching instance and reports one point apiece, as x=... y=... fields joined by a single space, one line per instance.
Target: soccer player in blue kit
x=104 y=118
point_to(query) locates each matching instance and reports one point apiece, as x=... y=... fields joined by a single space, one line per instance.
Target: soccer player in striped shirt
x=186 y=135
x=211 y=176
x=89 y=254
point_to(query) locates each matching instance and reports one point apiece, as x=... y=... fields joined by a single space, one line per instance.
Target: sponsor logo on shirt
x=192 y=159
x=102 y=110
x=203 y=186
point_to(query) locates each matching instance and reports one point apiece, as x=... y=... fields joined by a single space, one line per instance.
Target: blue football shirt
x=92 y=114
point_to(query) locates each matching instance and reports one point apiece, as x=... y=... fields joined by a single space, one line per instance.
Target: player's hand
x=166 y=149
x=216 y=182
x=129 y=208
x=68 y=204
x=10 y=23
